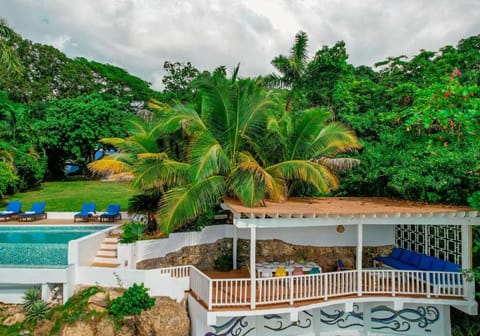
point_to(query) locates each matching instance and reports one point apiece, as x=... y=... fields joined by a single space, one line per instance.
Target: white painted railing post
x=291 y=290
x=210 y=294
x=234 y=247
x=429 y=294
x=326 y=288
x=359 y=258
x=469 y=286
x=253 y=296
x=393 y=276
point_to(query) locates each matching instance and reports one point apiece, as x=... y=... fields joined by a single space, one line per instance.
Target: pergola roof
x=348 y=210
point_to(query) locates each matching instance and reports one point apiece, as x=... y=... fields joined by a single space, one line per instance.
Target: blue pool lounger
x=112 y=214
x=36 y=212
x=12 y=210
x=88 y=210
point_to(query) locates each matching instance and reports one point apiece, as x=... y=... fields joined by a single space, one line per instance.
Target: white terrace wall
x=158 y=282
x=82 y=251
x=378 y=235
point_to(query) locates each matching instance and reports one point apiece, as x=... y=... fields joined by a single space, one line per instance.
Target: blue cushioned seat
x=451 y=267
x=425 y=262
x=396 y=252
x=405 y=255
x=437 y=265
x=414 y=259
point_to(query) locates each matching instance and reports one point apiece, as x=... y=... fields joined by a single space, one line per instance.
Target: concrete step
x=111 y=240
x=107 y=253
x=109 y=265
x=108 y=246
x=105 y=260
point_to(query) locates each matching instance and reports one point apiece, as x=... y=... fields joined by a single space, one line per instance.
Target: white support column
x=45 y=292
x=359 y=258
x=234 y=247
x=253 y=280
x=467 y=260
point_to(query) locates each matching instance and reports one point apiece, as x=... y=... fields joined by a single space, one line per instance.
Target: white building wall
x=373 y=318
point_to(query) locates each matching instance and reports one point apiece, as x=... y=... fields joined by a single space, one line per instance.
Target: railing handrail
x=332 y=284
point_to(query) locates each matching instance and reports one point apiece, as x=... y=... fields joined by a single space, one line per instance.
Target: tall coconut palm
x=229 y=151
x=292 y=67
x=240 y=144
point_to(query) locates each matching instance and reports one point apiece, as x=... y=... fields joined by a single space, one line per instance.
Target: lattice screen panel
x=441 y=241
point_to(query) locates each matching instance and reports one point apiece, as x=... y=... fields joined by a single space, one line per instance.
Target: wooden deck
x=274 y=293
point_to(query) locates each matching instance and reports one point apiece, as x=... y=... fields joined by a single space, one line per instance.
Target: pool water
x=33 y=246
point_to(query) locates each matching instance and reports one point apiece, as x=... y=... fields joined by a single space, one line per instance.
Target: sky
x=140 y=35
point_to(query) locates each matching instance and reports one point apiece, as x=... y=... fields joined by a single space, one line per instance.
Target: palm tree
x=231 y=152
x=241 y=144
x=291 y=67
x=9 y=61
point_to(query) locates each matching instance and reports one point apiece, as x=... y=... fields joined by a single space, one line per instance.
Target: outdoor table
x=269 y=268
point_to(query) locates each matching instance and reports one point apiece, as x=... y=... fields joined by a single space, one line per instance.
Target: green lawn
x=69 y=196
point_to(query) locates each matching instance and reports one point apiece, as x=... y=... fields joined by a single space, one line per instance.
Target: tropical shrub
x=134 y=300
x=132 y=232
x=38 y=311
x=31 y=296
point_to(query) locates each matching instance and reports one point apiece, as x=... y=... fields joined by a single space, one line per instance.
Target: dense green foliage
x=132 y=232
x=133 y=301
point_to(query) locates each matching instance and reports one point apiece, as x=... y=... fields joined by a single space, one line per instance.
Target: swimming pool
x=35 y=246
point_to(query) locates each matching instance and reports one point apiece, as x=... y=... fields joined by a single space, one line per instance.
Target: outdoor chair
x=36 y=212
x=315 y=270
x=12 y=210
x=297 y=270
x=88 y=210
x=281 y=272
x=341 y=266
x=112 y=213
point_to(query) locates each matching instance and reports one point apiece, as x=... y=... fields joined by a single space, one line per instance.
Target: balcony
x=298 y=290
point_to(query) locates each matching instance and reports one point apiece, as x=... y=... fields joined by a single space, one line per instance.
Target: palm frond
x=299 y=51
x=207 y=157
x=305 y=131
x=251 y=183
x=333 y=139
x=320 y=177
x=112 y=164
x=181 y=205
x=153 y=171
x=182 y=117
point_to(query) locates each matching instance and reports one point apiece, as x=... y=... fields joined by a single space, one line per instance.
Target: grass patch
x=69 y=196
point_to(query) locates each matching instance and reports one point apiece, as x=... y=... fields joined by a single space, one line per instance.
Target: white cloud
x=139 y=35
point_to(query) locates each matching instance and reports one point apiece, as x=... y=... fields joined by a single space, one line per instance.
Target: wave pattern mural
x=237 y=326
x=279 y=323
x=342 y=319
x=403 y=320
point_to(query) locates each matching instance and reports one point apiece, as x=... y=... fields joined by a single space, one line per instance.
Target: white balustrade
x=297 y=288
x=201 y=285
x=176 y=271
x=230 y=292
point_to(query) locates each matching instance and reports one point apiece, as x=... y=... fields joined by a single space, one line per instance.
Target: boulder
x=166 y=317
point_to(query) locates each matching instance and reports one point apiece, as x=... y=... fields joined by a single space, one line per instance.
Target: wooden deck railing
x=324 y=286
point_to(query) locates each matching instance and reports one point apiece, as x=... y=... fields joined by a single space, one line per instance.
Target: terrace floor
x=233 y=291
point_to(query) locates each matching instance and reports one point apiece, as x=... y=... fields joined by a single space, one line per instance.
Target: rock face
x=202 y=256
x=166 y=317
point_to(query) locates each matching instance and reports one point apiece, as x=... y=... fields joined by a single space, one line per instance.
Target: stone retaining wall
x=203 y=256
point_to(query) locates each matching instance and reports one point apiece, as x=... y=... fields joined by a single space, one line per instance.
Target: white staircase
x=107 y=254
